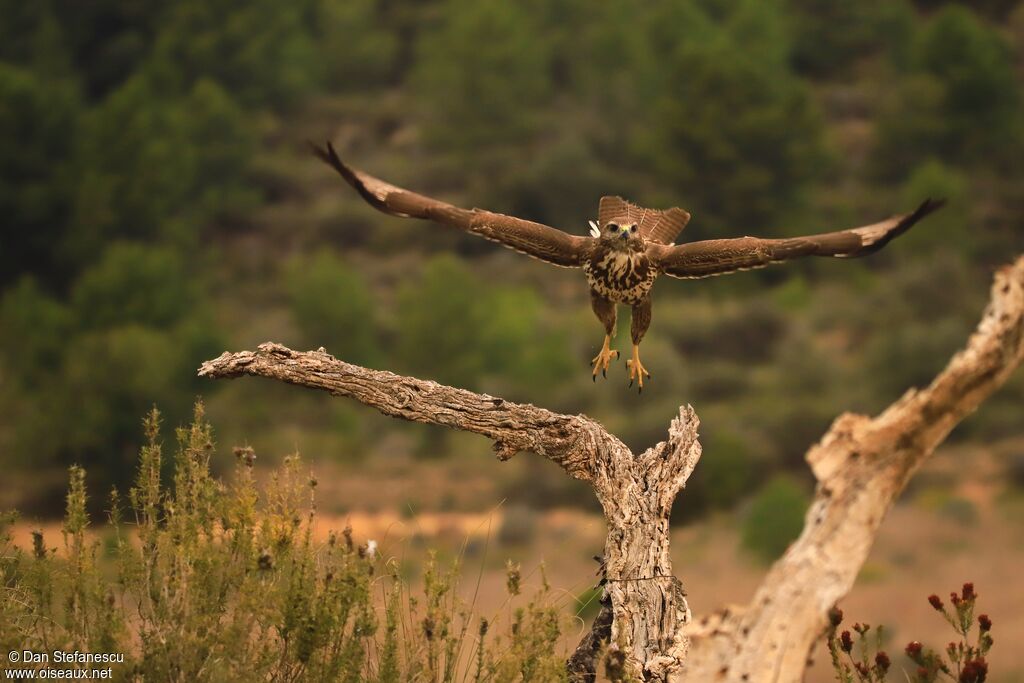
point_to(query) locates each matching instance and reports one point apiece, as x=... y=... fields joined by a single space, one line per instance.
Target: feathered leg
x=638 y=328
x=605 y=312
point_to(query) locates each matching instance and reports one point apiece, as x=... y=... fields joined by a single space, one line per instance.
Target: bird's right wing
x=533 y=239
x=715 y=257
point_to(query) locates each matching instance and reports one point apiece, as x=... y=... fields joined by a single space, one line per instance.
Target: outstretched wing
x=534 y=239
x=655 y=226
x=715 y=257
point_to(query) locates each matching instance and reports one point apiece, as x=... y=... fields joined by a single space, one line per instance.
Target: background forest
x=159 y=205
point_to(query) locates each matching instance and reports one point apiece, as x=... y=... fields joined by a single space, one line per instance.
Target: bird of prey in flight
x=627 y=249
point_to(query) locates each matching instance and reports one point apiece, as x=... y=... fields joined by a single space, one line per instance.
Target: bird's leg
x=638 y=328
x=637 y=371
x=603 y=359
x=605 y=312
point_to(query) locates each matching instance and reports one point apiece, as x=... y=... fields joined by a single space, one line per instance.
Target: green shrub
x=439 y=323
x=262 y=51
x=733 y=121
x=223 y=581
x=358 y=51
x=38 y=117
x=153 y=166
x=454 y=77
x=975 y=67
x=36 y=326
x=727 y=470
x=134 y=284
x=830 y=37
x=727 y=473
x=139 y=327
x=775 y=518
x=960 y=101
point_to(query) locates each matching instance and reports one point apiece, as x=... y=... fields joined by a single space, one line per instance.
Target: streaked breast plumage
x=620 y=276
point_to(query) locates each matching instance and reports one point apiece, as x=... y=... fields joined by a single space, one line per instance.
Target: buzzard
x=627 y=249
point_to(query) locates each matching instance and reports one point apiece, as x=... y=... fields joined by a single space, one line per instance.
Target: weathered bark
x=648 y=602
x=636 y=491
x=576 y=443
x=861 y=466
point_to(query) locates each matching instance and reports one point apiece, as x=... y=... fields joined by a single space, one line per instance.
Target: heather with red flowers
x=857 y=667
x=962 y=661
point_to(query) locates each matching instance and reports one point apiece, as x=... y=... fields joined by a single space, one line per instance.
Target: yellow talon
x=603 y=359
x=637 y=371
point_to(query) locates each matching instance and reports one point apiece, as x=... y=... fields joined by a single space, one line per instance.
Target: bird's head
x=621 y=234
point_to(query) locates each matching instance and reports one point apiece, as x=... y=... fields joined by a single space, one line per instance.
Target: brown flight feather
x=716 y=257
x=533 y=239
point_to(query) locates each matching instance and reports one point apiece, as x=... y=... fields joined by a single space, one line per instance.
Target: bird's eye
x=613 y=227
x=632 y=228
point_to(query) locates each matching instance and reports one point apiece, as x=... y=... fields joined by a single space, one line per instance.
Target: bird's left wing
x=715 y=257
x=533 y=239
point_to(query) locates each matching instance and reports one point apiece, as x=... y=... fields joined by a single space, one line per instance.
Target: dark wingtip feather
x=927 y=207
x=329 y=156
x=319 y=152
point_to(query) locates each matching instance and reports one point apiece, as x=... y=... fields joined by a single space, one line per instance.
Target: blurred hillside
x=160 y=205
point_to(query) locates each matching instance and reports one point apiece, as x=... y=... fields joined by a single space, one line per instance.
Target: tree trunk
x=648 y=602
x=861 y=466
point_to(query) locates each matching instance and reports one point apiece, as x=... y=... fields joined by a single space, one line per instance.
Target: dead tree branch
x=636 y=491
x=574 y=442
x=861 y=465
